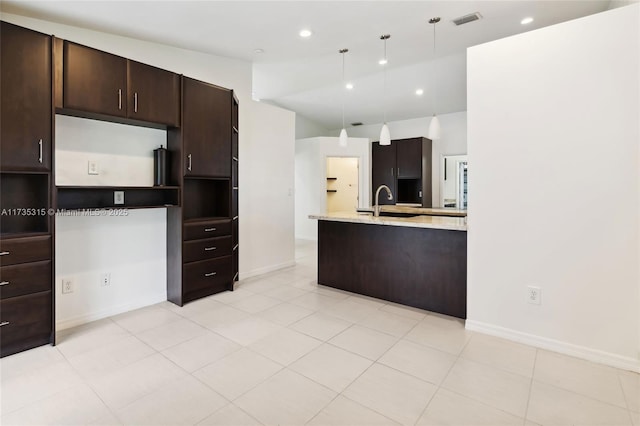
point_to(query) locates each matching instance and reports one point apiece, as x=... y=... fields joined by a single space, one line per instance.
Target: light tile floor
x=283 y=350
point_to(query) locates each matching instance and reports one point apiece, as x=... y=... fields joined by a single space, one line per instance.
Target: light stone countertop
x=434 y=222
x=435 y=211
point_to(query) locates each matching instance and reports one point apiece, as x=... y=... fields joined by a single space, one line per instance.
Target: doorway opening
x=342 y=184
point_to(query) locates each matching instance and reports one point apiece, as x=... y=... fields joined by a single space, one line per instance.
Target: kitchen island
x=419 y=261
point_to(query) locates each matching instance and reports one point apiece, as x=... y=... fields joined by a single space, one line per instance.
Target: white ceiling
x=304 y=75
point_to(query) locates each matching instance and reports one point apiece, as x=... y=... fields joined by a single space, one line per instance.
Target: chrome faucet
x=376 y=207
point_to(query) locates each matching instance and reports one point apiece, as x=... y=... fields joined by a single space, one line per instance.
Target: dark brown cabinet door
x=94 y=81
x=153 y=94
x=206 y=129
x=408 y=158
x=383 y=161
x=25 y=93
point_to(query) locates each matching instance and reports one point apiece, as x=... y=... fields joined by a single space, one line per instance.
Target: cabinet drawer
x=25 y=319
x=207 y=229
x=215 y=273
x=206 y=249
x=26 y=278
x=23 y=250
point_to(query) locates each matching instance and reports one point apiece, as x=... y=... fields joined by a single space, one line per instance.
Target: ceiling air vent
x=357 y=123
x=467 y=18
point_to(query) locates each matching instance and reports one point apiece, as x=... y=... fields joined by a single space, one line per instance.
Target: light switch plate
x=118 y=197
x=93 y=168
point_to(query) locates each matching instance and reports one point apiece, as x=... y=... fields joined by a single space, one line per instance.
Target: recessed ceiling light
x=382 y=62
x=305 y=33
x=527 y=20
x=349 y=86
x=258 y=51
x=419 y=92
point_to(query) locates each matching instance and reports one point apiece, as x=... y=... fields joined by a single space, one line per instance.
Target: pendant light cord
x=434 y=21
x=343 y=51
x=384 y=80
x=434 y=76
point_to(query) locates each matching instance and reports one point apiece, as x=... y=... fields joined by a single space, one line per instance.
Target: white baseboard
x=260 y=271
x=595 y=355
x=113 y=310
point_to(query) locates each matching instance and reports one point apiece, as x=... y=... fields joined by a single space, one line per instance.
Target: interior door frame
x=324 y=176
x=441 y=176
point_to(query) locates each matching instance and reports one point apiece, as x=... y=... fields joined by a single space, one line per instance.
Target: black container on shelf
x=160 y=162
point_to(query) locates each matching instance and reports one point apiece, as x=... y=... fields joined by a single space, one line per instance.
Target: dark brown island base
x=419 y=261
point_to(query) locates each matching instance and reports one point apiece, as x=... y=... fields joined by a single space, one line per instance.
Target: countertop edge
x=392 y=221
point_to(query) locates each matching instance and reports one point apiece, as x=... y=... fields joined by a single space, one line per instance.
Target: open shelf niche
x=104 y=197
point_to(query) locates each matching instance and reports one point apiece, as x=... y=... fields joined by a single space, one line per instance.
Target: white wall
x=266 y=191
x=452 y=142
x=131 y=248
x=124 y=154
x=311 y=178
x=256 y=139
x=563 y=103
x=307 y=128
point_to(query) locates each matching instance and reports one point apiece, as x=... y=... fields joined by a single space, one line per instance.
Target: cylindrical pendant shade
x=434 y=128
x=343 y=138
x=385 y=136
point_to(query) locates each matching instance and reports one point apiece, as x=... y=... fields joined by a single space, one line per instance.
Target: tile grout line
x=88 y=383
x=624 y=396
x=533 y=373
x=439 y=385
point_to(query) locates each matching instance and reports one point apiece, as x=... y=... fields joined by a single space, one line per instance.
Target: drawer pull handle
x=235 y=218
x=210 y=274
x=3 y=323
x=40 y=151
x=135 y=102
x=4 y=253
x=4 y=283
x=189 y=164
x=119 y=98
x=209 y=229
x=209 y=248
x=235 y=158
x=236 y=247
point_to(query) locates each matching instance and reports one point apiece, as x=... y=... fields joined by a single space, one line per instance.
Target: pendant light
x=434 y=126
x=385 y=136
x=342 y=141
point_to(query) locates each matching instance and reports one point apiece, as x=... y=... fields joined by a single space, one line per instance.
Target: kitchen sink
x=395 y=214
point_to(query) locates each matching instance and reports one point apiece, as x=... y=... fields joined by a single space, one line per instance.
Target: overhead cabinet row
x=93 y=83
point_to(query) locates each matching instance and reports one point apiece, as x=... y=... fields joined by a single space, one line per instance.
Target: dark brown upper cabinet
x=383 y=161
x=206 y=129
x=25 y=93
x=405 y=167
x=409 y=158
x=100 y=85
x=94 y=81
x=153 y=94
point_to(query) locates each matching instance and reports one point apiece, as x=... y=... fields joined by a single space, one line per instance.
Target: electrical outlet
x=534 y=295
x=105 y=279
x=93 y=168
x=118 y=197
x=67 y=285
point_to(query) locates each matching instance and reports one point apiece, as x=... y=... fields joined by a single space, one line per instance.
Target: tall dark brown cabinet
x=405 y=167
x=202 y=235
x=26 y=248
